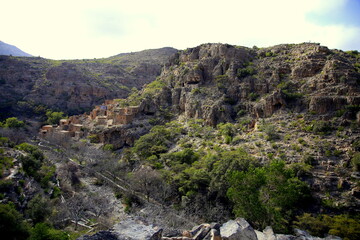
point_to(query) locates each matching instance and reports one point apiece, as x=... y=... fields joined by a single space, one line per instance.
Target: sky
x=78 y=29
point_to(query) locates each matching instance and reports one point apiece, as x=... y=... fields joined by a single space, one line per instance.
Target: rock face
x=74 y=86
x=216 y=82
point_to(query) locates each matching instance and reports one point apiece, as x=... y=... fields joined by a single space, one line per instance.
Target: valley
x=166 y=139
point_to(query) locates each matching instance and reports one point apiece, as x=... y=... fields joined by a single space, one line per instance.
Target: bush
x=32 y=150
x=31 y=165
x=5 y=163
x=54 y=117
x=108 y=147
x=267 y=195
x=253 y=96
x=341 y=225
x=319 y=127
x=5 y=142
x=12 y=225
x=43 y=231
x=270 y=131
x=156 y=142
x=94 y=138
x=355 y=161
x=244 y=72
x=38 y=209
x=13 y=122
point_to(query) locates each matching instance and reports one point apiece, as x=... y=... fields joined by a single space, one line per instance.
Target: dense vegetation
x=222 y=178
x=22 y=216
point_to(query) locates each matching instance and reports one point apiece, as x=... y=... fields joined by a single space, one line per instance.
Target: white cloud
x=88 y=29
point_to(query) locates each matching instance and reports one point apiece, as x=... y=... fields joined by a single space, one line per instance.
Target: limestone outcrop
x=216 y=81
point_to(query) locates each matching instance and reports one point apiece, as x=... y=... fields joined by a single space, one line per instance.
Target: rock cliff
x=216 y=82
x=74 y=86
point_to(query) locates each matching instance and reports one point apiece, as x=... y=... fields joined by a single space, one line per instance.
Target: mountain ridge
x=10 y=50
x=267 y=134
x=74 y=86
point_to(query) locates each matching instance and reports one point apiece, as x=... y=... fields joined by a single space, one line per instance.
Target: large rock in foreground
x=237 y=229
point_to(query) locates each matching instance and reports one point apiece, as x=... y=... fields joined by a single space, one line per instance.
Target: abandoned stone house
x=107 y=114
x=70 y=127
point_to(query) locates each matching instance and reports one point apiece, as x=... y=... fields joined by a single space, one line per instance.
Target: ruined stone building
x=107 y=114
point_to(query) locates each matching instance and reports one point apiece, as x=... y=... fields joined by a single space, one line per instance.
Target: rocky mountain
x=29 y=85
x=270 y=135
x=297 y=103
x=214 y=82
x=10 y=50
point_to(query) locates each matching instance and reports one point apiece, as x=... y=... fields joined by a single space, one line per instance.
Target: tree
x=13 y=122
x=267 y=195
x=12 y=225
x=43 y=231
x=70 y=172
x=99 y=205
x=146 y=181
x=76 y=207
x=244 y=193
x=54 y=117
x=38 y=209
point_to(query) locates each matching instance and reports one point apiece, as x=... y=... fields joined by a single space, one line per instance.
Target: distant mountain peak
x=7 y=49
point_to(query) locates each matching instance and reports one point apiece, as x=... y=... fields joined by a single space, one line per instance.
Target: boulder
x=304 y=235
x=135 y=230
x=237 y=229
x=269 y=233
x=260 y=235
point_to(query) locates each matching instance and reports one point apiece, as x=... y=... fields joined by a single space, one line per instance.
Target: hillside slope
x=7 y=49
x=28 y=85
x=279 y=125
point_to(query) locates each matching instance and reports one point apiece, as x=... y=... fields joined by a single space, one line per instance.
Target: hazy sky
x=69 y=29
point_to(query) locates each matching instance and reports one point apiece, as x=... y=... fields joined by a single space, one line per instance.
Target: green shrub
x=270 y=131
x=288 y=89
x=244 y=72
x=94 y=138
x=38 y=209
x=356 y=145
x=5 y=142
x=309 y=159
x=32 y=150
x=108 y=147
x=54 y=117
x=267 y=195
x=56 y=192
x=12 y=224
x=253 y=96
x=343 y=226
x=355 y=161
x=43 y=231
x=13 y=122
x=195 y=91
x=319 y=127
x=5 y=163
x=31 y=165
x=269 y=54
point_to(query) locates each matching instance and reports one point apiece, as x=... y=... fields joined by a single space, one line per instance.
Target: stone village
x=107 y=114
